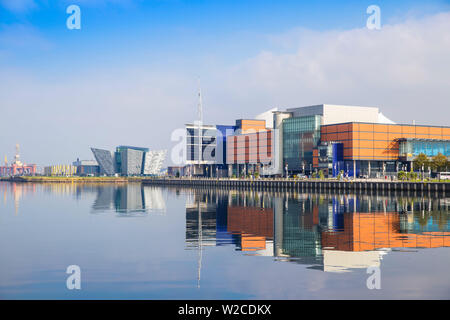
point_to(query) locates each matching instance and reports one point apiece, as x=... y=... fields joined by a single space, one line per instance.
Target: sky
x=130 y=75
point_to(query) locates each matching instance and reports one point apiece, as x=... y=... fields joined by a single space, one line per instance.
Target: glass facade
x=411 y=148
x=208 y=144
x=221 y=150
x=105 y=161
x=300 y=136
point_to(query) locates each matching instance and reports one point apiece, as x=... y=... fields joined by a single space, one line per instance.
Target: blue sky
x=183 y=31
x=129 y=76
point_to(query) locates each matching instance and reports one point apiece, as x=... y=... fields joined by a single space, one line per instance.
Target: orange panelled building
x=370 y=231
x=245 y=125
x=371 y=141
x=249 y=147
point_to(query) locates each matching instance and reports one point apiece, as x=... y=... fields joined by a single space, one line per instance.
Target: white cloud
x=56 y=114
x=403 y=68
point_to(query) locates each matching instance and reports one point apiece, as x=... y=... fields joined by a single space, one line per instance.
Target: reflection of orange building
x=255 y=225
x=18 y=191
x=370 y=231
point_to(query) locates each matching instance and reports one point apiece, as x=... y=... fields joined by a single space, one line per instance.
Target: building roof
x=390 y=124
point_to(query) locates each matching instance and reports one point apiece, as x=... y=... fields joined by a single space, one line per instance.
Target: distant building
x=87 y=167
x=105 y=161
x=65 y=170
x=174 y=171
x=17 y=167
x=129 y=161
x=153 y=162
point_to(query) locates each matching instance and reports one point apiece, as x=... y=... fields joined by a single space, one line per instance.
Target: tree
x=321 y=174
x=439 y=162
x=412 y=175
x=401 y=175
x=421 y=160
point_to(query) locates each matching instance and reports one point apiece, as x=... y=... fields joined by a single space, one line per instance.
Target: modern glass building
x=299 y=132
x=129 y=161
x=409 y=148
x=105 y=161
x=212 y=160
x=208 y=144
x=300 y=136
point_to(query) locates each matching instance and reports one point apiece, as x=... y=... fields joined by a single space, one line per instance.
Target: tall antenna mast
x=200 y=123
x=200 y=242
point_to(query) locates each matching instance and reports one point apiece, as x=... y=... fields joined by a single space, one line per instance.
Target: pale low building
x=65 y=170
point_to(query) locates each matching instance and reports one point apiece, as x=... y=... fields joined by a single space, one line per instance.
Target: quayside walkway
x=312 y=184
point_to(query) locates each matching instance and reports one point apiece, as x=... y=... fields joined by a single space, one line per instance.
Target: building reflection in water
x=129 y=199
x=125 y=199
x=17 y=192
x=332 y=233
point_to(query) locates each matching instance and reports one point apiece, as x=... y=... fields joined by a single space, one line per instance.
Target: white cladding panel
x=154 y=161
x=339 y=114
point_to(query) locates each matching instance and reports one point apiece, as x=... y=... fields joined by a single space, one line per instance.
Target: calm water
x=144 y=242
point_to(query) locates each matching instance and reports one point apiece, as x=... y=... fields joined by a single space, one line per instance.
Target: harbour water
x=134 y=241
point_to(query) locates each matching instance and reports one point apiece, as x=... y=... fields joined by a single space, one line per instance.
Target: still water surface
x=144 y=242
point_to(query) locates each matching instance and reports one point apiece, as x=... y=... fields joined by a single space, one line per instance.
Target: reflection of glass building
x=333 y=233
x=206 y=220
x=129 y=198
x=201 y=220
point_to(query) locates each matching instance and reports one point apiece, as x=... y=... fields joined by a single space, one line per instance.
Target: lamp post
x=286 y=168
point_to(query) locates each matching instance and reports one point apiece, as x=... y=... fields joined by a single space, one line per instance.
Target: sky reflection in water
x=144 y=242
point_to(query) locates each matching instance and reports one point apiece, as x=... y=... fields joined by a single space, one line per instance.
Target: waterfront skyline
x=129 y=76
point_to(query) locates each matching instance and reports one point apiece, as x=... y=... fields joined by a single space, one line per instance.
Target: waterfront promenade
x=307 y=184
x=276 y=184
